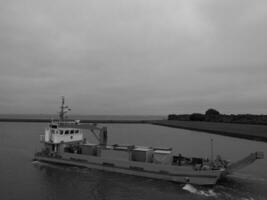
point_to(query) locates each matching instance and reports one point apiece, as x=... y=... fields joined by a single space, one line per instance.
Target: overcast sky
x=133 y=56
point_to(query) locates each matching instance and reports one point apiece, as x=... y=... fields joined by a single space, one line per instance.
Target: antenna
x=63 y=109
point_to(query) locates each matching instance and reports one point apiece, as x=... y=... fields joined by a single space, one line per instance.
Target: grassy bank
x=247 y=131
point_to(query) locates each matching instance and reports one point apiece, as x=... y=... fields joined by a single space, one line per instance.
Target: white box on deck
x=162 y=157
x=142 y=154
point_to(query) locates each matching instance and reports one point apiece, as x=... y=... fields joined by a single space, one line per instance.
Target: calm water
x=20 y=178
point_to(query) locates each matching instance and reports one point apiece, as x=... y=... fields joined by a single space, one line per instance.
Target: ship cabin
x=56 y=136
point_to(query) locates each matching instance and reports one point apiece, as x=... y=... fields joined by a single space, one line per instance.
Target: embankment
x=246 y=131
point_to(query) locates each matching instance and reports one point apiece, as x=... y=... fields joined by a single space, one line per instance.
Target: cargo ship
x=64 y=142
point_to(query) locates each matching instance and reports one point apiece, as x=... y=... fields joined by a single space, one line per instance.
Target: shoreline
x=98 y=121
x=244 y=131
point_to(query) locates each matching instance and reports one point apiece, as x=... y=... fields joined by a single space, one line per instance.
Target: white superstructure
x=56 y=135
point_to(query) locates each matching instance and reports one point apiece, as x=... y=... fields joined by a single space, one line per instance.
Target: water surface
x=20 y=178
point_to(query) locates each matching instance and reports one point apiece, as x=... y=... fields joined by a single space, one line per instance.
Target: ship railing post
x=211 y=151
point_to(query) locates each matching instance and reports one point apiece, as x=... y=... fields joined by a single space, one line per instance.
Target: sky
x=133 y=57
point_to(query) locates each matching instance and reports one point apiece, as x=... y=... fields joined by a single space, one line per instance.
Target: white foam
x=246 y=177
x=36 y=162
x=192 y=189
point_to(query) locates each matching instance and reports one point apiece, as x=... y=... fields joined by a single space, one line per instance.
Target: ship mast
x=63 y=109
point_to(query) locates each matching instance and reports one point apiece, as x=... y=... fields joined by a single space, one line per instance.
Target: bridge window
x=71 y=131
x=67 y=132
x=61 y=132
x=76 y=131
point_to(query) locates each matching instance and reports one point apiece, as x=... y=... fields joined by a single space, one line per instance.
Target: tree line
x=212 y=115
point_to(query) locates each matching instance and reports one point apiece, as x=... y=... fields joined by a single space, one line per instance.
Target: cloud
x=132 y=57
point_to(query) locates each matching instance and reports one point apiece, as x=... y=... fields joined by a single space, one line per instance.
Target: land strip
x=246 y=131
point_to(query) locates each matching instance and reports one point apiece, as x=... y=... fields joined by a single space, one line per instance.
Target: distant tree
x=213 y=115
x=172 y=117
x=197 y=117
x=212 y=112
x=184 y=117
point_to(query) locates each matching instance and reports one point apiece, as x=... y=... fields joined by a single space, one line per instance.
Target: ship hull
x=169 y=173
